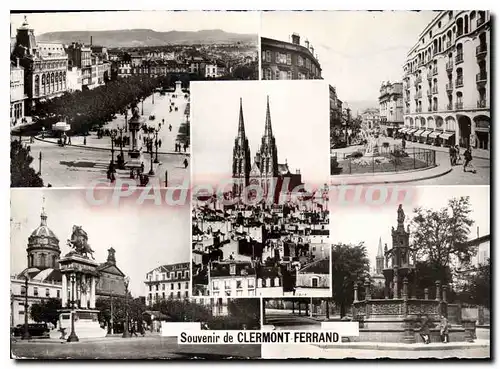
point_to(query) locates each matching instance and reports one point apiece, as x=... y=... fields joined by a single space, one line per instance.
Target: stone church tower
x=241 y=158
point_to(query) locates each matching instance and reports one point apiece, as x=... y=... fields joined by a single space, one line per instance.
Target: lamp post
x=142 y=106
x=348 y=111
x=156 y=142
x=122 y=161
x=150 y=147
x=125 y=325
x=126 y=115
x=40 y=163
x=113 y=136
x=72 y=337
x=26 y=334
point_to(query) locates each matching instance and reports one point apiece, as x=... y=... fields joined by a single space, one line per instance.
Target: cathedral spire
x=241 y=124
x=268 y=129
x=380 y=253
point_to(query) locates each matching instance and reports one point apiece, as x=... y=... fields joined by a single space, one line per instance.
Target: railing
x=459 y=105
x=481 y=103
x=435 y=72
x=429 y=108
x=459 y=58
x=459 y=82
x=419 y=94
x=390 y=158
x=435 y=108
x=481 y=77
x=449 y=65
x=419 y=109
x=429 y=93
x=449 y=106
x=481 y=49
x=449 y=87
x=435 y=90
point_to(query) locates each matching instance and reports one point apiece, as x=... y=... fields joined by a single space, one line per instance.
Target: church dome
x=43 y=246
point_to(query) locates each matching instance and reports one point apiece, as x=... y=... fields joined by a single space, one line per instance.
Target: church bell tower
x=241 y=157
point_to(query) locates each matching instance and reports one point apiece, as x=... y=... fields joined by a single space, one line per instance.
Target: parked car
x=34 y=329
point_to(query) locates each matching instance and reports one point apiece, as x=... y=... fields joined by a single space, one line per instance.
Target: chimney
x=307 y=43
x=295 y=39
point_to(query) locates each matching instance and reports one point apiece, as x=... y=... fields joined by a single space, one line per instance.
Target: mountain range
x=147 y=37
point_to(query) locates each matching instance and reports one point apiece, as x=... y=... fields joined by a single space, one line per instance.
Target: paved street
x=456 y=177
x=285 y=321
x=149 y=347
x=77 y=167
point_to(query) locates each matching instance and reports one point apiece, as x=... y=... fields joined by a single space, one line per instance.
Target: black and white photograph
x=409 y=91
x=260 y=219
x=109 y=282
x=417 y=279
x=104 y=96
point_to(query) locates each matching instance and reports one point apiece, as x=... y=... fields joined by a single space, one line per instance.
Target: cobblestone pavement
x=153 y=347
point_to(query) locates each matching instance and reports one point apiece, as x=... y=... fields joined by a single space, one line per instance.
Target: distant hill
x=361 y=105
x=146 y=37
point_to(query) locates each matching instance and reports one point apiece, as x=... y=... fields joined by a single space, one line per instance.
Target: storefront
x=424 y=137
x=448 y=138
x=482 y=129
x=416 y=135
x=434 y=138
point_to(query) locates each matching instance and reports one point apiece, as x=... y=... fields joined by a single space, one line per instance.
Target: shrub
x=355 y=155
x=398 y=153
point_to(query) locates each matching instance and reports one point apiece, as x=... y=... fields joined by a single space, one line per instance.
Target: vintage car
x=34 y=329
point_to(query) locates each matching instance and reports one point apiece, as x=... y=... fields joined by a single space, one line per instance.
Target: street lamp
x=26 y=335
x=142 y=106
x=156 y=130
x=126 y=334
x=348 y=111
x=126 y=115
x=150 y=148
x=122 y=161
x=72 y=337
x=113 y=136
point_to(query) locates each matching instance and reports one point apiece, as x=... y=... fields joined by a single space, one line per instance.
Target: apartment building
x=167 y=281
x=446 y=84
x=391 y=107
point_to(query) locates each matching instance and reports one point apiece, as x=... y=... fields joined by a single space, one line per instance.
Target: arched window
x=466 y=24
x=460 y=27
x=54 y=261
x=37 y=85
x=44 y=84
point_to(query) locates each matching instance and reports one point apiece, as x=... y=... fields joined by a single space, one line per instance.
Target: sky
x=161 y=21
x=144 y=237
x=302 y=105
x=357 y=50
x=363 y=223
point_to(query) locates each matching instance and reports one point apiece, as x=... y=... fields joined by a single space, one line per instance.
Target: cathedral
x=265 y=171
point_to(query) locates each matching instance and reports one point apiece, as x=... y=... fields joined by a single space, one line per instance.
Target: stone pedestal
x=86 y=324
x=135 y=157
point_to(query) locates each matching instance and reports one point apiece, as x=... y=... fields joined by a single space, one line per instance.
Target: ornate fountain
x=396 y=317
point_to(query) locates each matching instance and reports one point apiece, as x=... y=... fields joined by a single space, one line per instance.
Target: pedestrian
x=403 y=143
x=69 y=140
x=185 y=147
x=468 y=160
x=452 y=155
x=85 y=140
x=185 y=163
x=425 y=331
x=142 y=167
x=170 y=127
x=133 y=331
x=457 y=155
x=444 y=329
x=159 y=143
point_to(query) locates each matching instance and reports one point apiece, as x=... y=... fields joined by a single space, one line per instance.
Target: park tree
x=247 y=310
x=22 y=175
x=440 y=236
x=477 y=290
x=46 y=311
x=350 y=264
x=428 y=273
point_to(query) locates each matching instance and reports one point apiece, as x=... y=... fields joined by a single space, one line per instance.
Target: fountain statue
x=372 y=146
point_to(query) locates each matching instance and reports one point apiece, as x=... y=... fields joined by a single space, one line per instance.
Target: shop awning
x=425 y=133
x=411 y=130
x=446 y=135
x=435 y=134
x=404 y=130
x=418 y=133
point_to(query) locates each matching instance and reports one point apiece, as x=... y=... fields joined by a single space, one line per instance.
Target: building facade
x=289 y=60
x=447 y=81
x=370 y=118
x=391 y=107
x=265 y=171
x=45 y=66
x=232 y=278
x=168 y=281
x=16 y=93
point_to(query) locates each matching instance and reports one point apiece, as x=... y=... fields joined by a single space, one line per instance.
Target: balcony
x=481 y=103
x=481 y=50
x=449 y=87
x=481 y=77
x=459 y=58
x=429 y=109
x=419 y=94
x=407 y=111
x=449 y=66
x=435 y=90
x=435 y=72
x=435 y=108
x=480 y=21
x=449 y=106
x=459 y=82
x=459 y=105
x=429 y=93
x=419 y=109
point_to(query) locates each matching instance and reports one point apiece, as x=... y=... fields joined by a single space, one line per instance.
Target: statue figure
x=401 y=214
x=135 y=112
x=79 y=242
